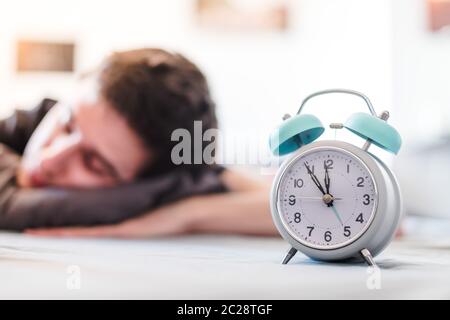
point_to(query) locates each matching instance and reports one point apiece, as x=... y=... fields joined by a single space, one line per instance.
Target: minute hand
x=326 y=180
x=314 y=179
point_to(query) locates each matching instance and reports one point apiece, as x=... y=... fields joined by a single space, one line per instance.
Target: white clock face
x=326 y=212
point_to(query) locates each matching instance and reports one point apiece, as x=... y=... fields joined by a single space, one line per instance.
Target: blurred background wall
x=261 y=57
x=256 y=75
x=421 y=74
x=421 y=95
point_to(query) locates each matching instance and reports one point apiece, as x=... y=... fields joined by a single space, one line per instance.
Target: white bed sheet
x=211 y=267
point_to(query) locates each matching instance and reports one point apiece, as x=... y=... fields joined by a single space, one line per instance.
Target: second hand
x=315 y=198
x=337 y=214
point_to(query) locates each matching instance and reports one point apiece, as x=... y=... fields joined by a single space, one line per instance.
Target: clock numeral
x=348 y=168
x=291 y=200
x=360 y=218
x=310 y=168
x=366 y=201
x=347 y=231
x=311 y=228
x=328 y=164
x=360 y=182
x=297 y=217
x=327 y=236
x=298 y=183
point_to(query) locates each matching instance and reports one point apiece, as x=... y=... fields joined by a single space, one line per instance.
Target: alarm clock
x=332 y=200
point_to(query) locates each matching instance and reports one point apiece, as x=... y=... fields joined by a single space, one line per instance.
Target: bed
x=217 y=267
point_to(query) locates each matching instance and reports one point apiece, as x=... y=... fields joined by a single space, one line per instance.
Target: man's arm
x=22 y=208
x=243 y=210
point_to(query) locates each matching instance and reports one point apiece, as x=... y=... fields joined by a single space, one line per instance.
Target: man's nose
x=58 y=154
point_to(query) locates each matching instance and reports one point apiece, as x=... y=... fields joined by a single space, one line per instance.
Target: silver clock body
x=384 y=219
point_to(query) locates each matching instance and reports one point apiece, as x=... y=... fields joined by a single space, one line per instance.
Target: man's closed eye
x=98 y=165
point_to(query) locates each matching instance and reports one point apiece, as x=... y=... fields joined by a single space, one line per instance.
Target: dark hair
x=157 y=92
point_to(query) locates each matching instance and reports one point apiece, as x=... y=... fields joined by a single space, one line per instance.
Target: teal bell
x=376 y=130
x=294 y=133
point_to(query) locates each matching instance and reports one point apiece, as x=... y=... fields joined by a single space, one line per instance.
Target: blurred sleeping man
x=100 y=163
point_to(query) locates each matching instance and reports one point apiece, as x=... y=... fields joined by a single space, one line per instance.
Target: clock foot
x=291 y=253
x=368 y=257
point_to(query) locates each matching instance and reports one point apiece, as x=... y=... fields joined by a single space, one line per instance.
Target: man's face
x=85 y=145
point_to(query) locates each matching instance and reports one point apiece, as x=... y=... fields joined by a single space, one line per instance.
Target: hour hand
x=314 y=179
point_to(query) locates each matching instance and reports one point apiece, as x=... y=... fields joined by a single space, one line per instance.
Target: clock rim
x=314 y=147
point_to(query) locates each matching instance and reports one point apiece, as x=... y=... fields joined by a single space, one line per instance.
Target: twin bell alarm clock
x=332 y=200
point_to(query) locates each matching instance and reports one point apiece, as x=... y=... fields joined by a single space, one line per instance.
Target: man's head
x=119 y=125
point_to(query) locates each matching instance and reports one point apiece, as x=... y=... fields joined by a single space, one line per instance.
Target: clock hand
x=314 y=179
x=326 y=180
x=316 y=198
x=336 y=213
